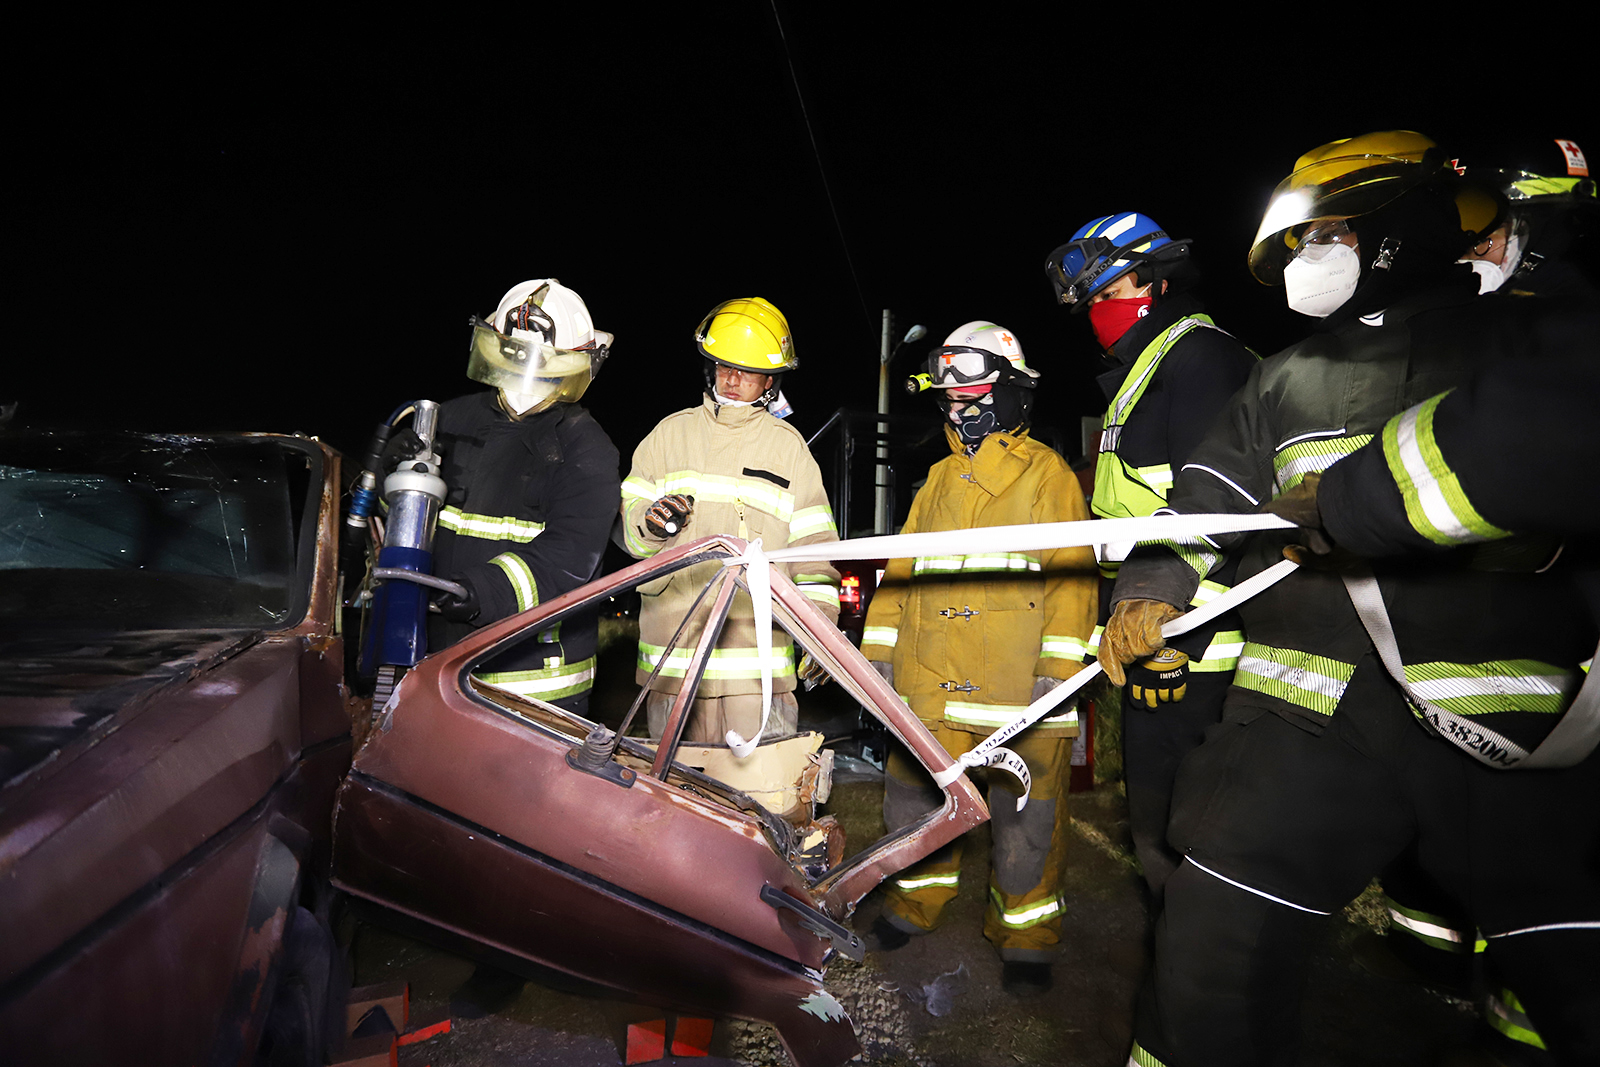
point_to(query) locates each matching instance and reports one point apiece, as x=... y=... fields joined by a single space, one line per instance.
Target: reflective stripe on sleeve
x=1059 y=646
x=1316 y=683
x=1435 y=502
x=808 y=522
x=885 y=636
x=823 y=591
x=1293 y=462
x=490 y=527
x=637 y=488
x=520 y=575
x=1000 y=714
x=1222 y=654
x=1504 y=1012
x=551 y=683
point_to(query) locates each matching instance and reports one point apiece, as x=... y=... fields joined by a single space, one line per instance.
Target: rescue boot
x=885 y=936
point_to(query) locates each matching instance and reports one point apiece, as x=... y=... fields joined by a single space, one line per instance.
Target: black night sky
x=286 y=227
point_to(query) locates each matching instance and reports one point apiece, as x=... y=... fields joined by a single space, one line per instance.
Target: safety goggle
x=1317 y=239
x=954 y=365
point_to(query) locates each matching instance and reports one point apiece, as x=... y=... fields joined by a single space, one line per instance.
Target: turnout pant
x=1281 y=826
x=1154 y=742
x=1027 y=858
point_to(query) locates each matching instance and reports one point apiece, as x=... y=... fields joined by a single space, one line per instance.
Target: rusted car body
x=513 y=825
x=173 y=727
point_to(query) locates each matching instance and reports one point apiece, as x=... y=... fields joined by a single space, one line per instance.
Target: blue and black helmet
x=1104 y=250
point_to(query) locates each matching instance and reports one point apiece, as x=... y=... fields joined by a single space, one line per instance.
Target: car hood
x=58 y=687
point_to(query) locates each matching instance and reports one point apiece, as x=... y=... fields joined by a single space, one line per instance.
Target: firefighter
x=728 y=466
x=969 y=641
x=1537 y=215
x=1320 y=772
x=1170 y=369
x=1527 y=216
x=532 y=482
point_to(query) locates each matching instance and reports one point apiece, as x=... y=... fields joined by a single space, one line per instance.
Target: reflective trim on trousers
x=1141 y=1058
x=1431 y=929
x=1504 y=1012
x=1026 y=917
x=1263 y=894
x=911 y=885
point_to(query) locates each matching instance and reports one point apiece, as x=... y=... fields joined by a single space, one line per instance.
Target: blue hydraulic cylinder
x=398 y=629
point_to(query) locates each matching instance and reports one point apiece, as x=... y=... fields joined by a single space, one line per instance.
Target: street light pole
x=880 y=514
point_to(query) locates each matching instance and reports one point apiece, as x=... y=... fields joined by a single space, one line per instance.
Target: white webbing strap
x=1573 y=738
x=1031 y=537
x=987 y=753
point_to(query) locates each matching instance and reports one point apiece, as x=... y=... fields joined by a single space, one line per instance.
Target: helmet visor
x=526 y=365
x=1339 y=188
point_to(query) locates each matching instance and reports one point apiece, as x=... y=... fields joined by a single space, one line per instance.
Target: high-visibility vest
x=1121 y=491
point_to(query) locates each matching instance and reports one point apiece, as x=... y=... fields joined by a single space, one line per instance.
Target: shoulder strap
x=1144 y=369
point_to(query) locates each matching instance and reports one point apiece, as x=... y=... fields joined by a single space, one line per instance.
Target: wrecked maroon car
x=517 y=830
x=173 y=726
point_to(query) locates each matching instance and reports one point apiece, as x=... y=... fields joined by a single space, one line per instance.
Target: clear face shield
x=1330 y=190
x=532 y=374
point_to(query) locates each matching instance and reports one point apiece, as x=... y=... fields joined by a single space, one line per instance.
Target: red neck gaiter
x=1110 y=319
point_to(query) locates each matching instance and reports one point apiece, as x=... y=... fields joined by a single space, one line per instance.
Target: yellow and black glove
x=1163 y=678
x=1133 y=632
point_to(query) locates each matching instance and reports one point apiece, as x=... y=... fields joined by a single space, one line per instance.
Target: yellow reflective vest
x=752 y=476
x=968 y=634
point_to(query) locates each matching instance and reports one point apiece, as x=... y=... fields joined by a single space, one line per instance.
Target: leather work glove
x=811 y=673
x=669 y=515
x=1134 y=632
x=1299 y=506
x=1163 y=678
x=1041 y=686
x=885 y=671
x=459 y=609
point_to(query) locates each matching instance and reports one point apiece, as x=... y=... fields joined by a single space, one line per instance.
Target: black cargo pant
x=1281 y=826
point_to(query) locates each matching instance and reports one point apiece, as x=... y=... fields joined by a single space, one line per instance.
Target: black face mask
x=1002 y=408
x=975 y=421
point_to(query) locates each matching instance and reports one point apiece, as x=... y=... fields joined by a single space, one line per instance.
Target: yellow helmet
x=747 y=333
x=1340 y=180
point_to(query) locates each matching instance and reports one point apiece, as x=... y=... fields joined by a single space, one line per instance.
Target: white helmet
x=968 y=357
x=540 y=349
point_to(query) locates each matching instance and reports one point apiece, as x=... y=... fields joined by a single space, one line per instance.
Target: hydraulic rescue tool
x=395 y=635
